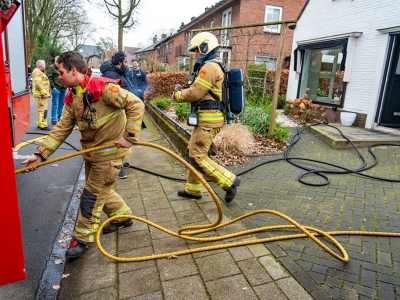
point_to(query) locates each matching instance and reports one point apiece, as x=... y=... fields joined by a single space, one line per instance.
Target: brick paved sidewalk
x=248 y=272
x=349 y=202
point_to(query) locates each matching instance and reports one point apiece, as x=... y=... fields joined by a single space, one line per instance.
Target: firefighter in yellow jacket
x=41 y=92
x=207 y=80
x=105 y=113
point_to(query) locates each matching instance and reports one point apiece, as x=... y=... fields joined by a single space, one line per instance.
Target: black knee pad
x=87 y=203
x=187 y=155
x=45 y=114
x=195 y=165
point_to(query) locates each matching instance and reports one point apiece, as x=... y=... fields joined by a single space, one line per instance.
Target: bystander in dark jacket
x=117 y=68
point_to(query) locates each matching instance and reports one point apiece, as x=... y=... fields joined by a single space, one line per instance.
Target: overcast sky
x=153 y=15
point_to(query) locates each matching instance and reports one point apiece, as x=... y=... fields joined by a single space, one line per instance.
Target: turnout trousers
x=197 y=156
x=98 y=196
x=41 y=112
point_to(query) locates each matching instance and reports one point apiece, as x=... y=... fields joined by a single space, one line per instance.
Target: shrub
x=162 y=84
x=280 y=134
x=181 y=111
x=304 y=110
x=258 y=119
x=162 y=102
x=259 y=99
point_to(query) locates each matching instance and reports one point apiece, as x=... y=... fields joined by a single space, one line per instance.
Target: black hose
x=39 y=133
x=309 y=171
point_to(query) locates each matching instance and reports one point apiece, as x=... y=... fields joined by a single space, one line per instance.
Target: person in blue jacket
x=138 y=79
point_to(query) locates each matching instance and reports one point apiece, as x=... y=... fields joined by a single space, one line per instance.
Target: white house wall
x=325 y=18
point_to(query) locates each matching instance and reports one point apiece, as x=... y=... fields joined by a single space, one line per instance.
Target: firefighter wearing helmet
x=41 y=92
x=204 y=93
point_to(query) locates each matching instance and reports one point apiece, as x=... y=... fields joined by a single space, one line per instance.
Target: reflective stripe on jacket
x=41 y=84
x=210 y=78
x=117 y=113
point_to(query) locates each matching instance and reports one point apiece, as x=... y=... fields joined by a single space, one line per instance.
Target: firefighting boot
x=111 y=227
x=75 y=250
x=232 y=191
x=182 y=193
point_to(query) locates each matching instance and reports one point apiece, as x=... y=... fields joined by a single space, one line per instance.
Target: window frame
x=300 y=53
x=268 y=28
x=225 y=32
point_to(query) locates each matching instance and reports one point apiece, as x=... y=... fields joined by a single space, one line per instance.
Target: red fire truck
x=14 y=120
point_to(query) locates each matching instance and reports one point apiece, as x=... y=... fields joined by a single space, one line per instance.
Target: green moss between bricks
x=174 y=134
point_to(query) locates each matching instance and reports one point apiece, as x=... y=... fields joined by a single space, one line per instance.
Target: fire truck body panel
x=14 y=49
x=12 y=264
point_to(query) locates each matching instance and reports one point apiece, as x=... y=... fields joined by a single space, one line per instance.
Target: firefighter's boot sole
x=182 y=193
x=111 y=227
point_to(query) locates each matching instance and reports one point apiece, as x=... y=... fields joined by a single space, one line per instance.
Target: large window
x=322 y=75
x=273 y=14
x=270 y=62
x=226 y=21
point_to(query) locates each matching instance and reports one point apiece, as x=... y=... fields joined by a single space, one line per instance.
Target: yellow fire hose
x=187 y=232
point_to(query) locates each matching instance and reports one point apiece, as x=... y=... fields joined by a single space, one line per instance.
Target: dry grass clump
x=234 y=138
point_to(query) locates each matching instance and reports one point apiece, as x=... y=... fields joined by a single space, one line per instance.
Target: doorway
x=390 y=113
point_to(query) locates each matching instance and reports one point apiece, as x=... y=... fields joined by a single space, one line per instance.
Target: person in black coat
x=117 y=68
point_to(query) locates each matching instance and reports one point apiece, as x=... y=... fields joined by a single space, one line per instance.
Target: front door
x=390 y=114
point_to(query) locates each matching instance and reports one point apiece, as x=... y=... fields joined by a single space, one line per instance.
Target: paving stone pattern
x=349 y=202
x=292 y=269
x=247 y=272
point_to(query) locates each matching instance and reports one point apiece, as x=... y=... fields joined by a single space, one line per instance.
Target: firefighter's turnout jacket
x=109 y=114
x=41 y=84
x=209 y=78
x=104 y=112
x=41 y=92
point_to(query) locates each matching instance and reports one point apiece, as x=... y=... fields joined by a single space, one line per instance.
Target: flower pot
x=347 y=118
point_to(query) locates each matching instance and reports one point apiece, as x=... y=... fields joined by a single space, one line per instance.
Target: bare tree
x=123 y=12
x=46 y=17
x=104 y=43
x=78 y=30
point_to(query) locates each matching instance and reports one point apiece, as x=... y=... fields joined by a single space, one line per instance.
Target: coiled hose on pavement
x=188 y=232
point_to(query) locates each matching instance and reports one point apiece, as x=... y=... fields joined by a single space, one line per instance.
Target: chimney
x=163 y=36
x=207 y=8
x=155 y=38
x=192 y=18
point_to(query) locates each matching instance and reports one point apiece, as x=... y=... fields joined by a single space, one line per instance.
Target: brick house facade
x=173 y=49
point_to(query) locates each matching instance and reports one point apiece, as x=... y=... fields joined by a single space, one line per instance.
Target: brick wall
x=243 y=46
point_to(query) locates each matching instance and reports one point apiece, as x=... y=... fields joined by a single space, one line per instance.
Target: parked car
x=96 y=72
